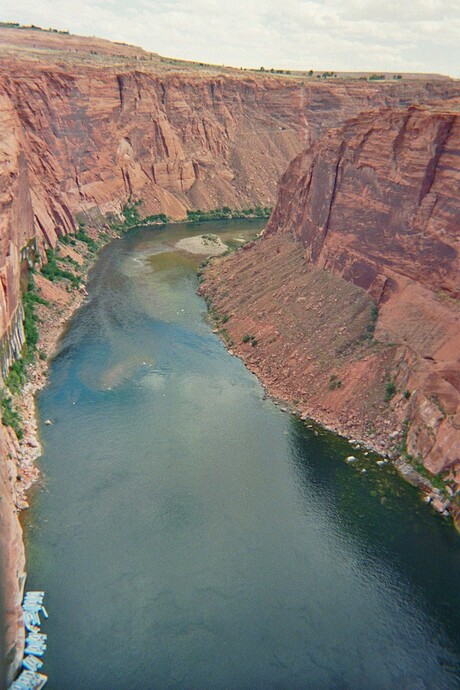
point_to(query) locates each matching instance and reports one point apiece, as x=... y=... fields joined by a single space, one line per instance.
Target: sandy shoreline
x=208 y=245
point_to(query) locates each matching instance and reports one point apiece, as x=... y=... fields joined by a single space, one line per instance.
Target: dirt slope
x=370 y=215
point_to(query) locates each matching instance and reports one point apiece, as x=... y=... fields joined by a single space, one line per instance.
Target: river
x=191 y=535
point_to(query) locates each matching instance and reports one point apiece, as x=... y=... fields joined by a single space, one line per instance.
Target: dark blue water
x=190 y=535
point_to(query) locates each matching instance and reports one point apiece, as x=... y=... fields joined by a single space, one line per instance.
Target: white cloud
x=363 y=35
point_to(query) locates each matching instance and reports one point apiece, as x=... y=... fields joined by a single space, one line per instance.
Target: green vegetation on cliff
x=71 y=240
x=226 y=213
x=132 y=217
x=54 y=272
x=10 y=416
x=17 y=375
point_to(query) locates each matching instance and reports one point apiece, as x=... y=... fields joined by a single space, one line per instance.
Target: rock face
x=378 y=204
x=95 y=128
x=86 y=125
x=374 y=204
x=16 y=228
x=13 y=558
x=380 y=194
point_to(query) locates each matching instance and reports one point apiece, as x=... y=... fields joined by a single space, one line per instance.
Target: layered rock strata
x=93 y=132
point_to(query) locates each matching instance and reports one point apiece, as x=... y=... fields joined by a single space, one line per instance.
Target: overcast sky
x=363 y=35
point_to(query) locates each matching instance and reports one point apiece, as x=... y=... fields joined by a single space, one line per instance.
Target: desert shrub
x=83 y=237
x=390 y=390
x=334 y=382
x=10 y=416
x=374 y=315
x=54 y=272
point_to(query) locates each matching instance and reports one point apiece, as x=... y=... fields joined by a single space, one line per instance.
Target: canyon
x=367 y=213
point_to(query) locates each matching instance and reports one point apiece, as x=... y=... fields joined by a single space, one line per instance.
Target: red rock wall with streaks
x=377 y=202
x=93 y=138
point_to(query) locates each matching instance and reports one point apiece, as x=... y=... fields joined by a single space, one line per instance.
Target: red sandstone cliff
x=100 y=122
x=87 y=124
x=16 y=228
x=378 y=203
x=373 y=209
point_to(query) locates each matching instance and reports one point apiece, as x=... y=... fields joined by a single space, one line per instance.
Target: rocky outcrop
x=16 y=215
x=380 y=194
x=373 y=205
x=16 y=229
x=377 y=203
x=13 y=558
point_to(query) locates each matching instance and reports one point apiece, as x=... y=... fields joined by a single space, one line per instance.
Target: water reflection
x=386 y=520
x=191 y=535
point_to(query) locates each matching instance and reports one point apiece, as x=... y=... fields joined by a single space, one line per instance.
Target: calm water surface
x=190 y=535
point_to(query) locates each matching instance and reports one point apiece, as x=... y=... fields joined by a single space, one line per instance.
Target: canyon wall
x=353 y=293
x=378 y=204
x=93 y=138
x=86 y=125
x=81 y=134
x=16 y=230
x=98 y=122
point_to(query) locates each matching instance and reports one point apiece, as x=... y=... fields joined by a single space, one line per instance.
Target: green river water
x=190 y=535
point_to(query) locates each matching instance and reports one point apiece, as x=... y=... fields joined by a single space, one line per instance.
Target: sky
x=337 y=35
